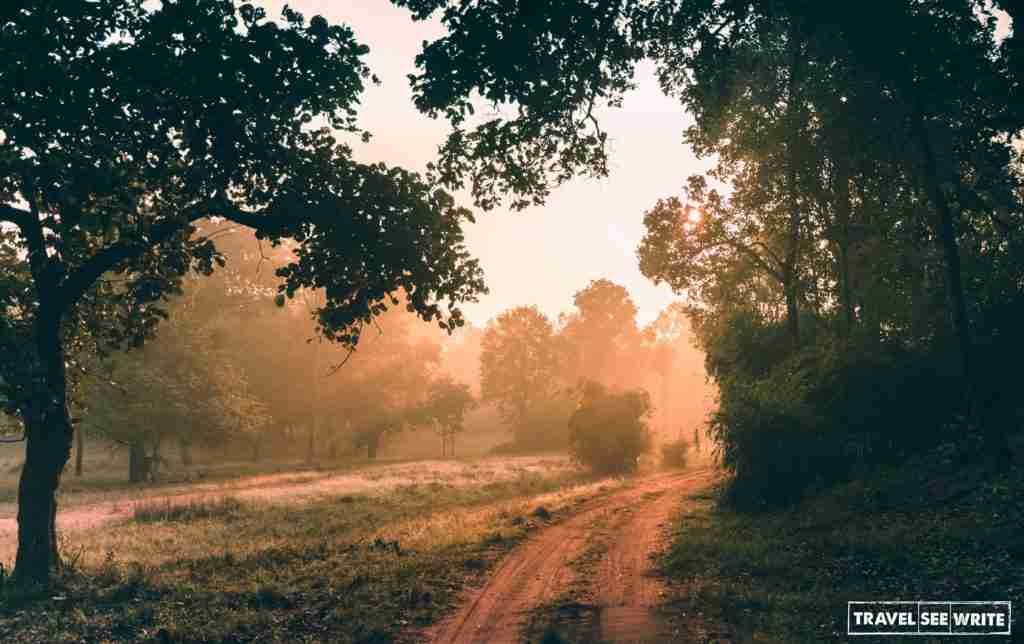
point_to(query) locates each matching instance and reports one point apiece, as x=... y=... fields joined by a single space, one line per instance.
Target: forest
x=228 y=326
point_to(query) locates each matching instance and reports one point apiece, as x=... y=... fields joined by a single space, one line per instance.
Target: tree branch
x=751 y=254
x=82 y=278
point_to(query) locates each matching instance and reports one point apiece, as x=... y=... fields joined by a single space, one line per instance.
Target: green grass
x=930 y=530
x=345 y=569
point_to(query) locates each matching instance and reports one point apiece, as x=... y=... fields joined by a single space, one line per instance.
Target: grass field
x=930 y=530
x=342 y=568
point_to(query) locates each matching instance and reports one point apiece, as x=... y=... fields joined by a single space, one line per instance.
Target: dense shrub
x=819 y=415
x=675 y=454
x=608 y=431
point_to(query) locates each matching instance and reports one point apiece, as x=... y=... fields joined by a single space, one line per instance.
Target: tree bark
x=48 y=434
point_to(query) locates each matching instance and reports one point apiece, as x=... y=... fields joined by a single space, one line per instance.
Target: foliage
x=893 y=533
x=445 y=409
x=608 y=431
x=553 y=62
x=518 y=363
x=597 y=340
x=125 y=124
x=600 y=337
x=546 y=426
x=862 y=215
x=182 y=386
x=675 y=454
x=825 y=413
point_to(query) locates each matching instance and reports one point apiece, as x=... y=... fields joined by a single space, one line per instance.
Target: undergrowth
x=929 y=530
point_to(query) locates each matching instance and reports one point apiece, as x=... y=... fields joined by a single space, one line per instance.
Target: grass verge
x=930 y=530
x=345 y=569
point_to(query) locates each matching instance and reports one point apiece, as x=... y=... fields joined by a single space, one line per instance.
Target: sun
x=693 y=215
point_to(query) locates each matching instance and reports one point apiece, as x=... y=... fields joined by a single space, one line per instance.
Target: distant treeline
x=212 y=380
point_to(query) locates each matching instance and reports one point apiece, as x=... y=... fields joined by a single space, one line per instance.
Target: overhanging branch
x=82 y=278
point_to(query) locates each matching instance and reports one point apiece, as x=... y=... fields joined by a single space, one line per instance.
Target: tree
x=949 y=107
x=601 y=335
x=518 y=363
x=445 y=409
x=775 y=88
x=381 y=385
x=182 y=386
x=124 y=125
x=608 y=431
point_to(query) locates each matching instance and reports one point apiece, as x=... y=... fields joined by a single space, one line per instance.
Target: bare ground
x=618 y=596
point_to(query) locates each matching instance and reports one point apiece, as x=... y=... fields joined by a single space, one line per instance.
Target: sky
x=588 y=229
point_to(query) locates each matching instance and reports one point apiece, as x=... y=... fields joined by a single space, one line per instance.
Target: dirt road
x=618 y=599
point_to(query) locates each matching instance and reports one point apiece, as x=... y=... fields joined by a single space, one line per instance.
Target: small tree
x=608 y=431
x=445 y=409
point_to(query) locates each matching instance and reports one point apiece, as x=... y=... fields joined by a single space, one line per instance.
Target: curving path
x=625 y=590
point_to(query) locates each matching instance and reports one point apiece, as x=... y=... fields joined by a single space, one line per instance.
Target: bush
x=829 y=411
x=608 y=431
x=674 y=454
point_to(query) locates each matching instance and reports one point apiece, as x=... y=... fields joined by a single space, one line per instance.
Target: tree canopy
x=863 y=211
x=125 y=124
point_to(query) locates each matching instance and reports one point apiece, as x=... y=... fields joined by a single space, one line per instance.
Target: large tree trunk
x=49 y=437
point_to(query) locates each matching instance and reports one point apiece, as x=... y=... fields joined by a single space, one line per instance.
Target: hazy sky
x=589 y=228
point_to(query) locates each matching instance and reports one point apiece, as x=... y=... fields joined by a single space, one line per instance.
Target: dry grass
x=93 y=508
x=167 y=510
x=342 y=568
